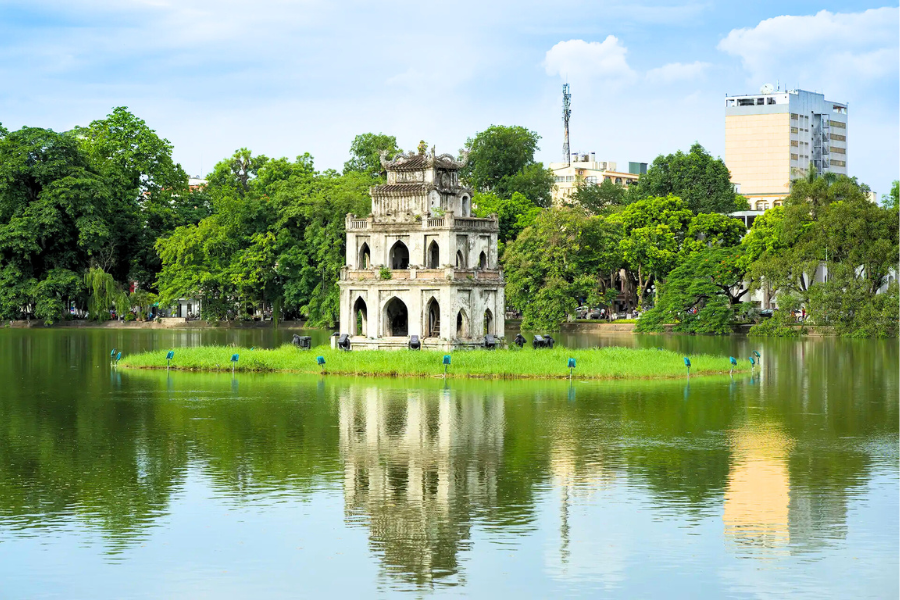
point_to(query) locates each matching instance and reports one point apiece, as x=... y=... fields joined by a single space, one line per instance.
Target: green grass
x=600 y=363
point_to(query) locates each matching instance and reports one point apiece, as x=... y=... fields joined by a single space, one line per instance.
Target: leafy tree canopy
x=501 y=161
x=699 y=295
x=604 y=198
x=365 y=153
x=703 y=182
x=515 y=213
x=565 y=256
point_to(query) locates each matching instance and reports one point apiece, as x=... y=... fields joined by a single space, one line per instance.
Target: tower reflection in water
x=418 y=464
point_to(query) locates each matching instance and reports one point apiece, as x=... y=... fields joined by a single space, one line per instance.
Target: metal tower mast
x=567 y=112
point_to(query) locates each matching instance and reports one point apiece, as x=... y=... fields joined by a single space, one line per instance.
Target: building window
x=745 y=102
x=838 y=163
x=794 y=157
x=841 y=110
x=837 y=124
x=794 y=117
x=837 y=150
x=794 y=130
x=836 y=137
x=770 y=100
x=795 y=143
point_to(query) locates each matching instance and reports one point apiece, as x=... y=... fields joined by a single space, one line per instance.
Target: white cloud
x=824 y=50
x=677 y=72
x=577 y=59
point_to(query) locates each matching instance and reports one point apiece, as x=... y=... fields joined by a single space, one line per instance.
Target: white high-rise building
x=772 y=137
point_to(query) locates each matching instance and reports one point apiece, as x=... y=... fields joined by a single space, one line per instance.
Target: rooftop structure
x=585 y=168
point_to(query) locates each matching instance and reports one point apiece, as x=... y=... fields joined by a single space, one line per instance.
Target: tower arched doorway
x=396 y=318
x=462 y=324
x=365 y=257
x=460 y=260
x=482 y=261
x=488 y=322
x=360 y=321
x=399 y=257
x=433 y=319
x=434 y=255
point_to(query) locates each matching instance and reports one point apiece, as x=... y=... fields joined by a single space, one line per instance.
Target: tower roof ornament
x=416 y=161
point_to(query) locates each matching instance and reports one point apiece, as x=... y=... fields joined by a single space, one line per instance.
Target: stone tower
x=420 y=264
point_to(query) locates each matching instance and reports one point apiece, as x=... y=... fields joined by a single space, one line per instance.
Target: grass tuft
x=595 y=363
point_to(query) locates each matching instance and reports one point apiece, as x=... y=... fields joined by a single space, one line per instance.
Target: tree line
x=84 y=213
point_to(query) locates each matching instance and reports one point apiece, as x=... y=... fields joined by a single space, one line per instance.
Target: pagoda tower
x=420 y=264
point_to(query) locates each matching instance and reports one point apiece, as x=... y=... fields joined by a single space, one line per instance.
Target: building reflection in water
x=757 y=497
x=417 y=465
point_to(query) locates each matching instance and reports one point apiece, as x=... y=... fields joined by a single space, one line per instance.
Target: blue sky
x=286 y=77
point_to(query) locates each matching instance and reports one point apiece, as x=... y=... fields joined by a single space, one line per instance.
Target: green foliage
x=384 y=273
x=105 y=294
x=653 y=231
x=892 y=200
x=365 y=153
x=566 y=255
x=702 y=181
x=51 y=294
x=501 y=161
x=146 y=187
x=698 y=296
x=279 y=241
x=827 y=224
x=782 y=323
x=515 y=213
x=600 y=199
x=845 y=303
x=237 y=172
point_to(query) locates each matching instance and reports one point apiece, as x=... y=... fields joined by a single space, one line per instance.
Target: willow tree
x=104 y=293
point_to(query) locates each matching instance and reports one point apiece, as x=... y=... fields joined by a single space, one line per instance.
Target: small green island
x=513 y=363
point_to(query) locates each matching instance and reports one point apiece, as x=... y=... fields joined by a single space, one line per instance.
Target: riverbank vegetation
x=599 y=363
x=102 y=219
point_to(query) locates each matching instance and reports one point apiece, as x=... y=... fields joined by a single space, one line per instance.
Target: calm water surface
x=152 y=485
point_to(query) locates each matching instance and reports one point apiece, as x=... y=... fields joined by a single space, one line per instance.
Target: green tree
x=365 y=153
x=566 y=256
x=148 y=189
x=105 y=294
x=56 y=214
x=501 y=161
x=700 y=295
x=653 y=231
x=703 y=182
x=237 y=172
x=712 y=230
x=604 y=198
x=278 y=243
x=515 y=213
x=827 y=228
x=892 y=200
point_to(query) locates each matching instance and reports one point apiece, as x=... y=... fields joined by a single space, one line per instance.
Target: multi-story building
x=584 y=168
x=773 y=137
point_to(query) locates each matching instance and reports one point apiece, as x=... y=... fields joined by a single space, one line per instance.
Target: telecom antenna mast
x=567 y=112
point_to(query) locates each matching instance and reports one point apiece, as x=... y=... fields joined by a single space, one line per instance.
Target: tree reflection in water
x=421 y=468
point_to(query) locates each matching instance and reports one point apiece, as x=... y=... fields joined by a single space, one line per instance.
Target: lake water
x=132 y=484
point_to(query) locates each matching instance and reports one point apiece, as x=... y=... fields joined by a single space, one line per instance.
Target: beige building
x=772 y=137
x=585 y=168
